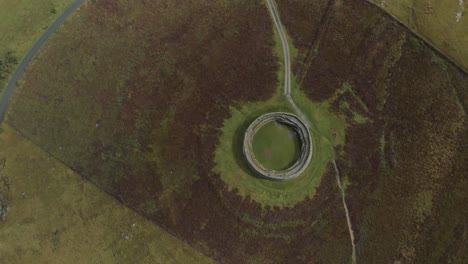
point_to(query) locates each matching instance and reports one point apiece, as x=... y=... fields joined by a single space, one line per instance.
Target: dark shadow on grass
x=237 y=144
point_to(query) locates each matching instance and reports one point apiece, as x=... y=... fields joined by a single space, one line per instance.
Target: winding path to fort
x=35 y=49
x=287 y=92
x=287 y=84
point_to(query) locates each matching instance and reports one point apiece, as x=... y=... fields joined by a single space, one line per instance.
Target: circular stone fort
x=305 y=149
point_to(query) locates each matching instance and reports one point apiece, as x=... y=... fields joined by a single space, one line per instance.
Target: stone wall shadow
x=237 y=146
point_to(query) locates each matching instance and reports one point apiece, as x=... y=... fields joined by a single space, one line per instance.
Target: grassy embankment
x=23 y=22
x=327 y=131
x=56 y=216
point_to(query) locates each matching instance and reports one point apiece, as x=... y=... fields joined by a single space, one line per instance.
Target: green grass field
x=23 y=23
x=437 y=22
x=57 y=217
x=276 y=146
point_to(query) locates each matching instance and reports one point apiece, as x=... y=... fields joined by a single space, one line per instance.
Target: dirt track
x=287 y=92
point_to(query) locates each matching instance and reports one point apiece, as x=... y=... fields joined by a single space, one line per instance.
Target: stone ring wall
x=305 y=140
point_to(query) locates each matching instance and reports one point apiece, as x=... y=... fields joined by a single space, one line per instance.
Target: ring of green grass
x=327 y=132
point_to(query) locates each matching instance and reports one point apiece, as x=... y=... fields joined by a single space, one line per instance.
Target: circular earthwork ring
x=305 y=140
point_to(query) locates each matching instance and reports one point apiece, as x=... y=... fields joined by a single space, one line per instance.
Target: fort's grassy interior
x=276 y=146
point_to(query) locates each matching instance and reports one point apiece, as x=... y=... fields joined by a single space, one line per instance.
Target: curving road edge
x=21 y=68
x=287 y=91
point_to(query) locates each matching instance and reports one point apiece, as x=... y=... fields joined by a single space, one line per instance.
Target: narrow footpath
x=287 y=92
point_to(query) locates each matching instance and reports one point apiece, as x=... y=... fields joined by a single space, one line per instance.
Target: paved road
x=287 y=92
x=20 y=70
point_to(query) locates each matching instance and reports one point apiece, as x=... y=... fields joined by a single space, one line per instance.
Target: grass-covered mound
x=327 y=132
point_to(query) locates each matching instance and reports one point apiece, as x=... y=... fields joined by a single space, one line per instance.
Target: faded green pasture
x=23 y=23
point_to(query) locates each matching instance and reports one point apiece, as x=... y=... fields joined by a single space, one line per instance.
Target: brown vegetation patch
x=133 y=95
x=406 y=163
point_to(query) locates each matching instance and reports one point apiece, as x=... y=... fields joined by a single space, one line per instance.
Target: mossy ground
x=56 y=216
x=276 y=146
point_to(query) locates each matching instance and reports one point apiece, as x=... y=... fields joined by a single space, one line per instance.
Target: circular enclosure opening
x=276 y=146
